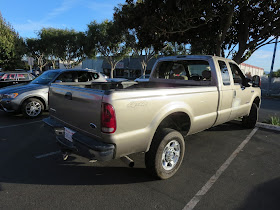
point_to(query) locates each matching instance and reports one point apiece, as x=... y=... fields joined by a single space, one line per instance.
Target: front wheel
x=251 y=120
x=32 y=108
x=166 y=153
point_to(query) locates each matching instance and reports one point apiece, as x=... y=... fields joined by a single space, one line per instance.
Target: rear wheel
x=32 y=108
x=251 y=120
x=166 y=153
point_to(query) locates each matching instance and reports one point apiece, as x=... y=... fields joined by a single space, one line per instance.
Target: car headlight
x=10 y=95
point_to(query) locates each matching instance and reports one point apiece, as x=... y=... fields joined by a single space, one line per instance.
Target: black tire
x=159 y=164
x=251 y=120
x=32 y=108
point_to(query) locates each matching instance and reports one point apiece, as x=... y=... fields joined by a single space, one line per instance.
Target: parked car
x=143 y=78
x=184 y=95
x=32 y=98
x=116 y=79
x=13 y=78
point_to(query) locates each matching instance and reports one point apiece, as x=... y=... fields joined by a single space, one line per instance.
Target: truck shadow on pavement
x=229 y=126
x=263 y=196
x=72 y=172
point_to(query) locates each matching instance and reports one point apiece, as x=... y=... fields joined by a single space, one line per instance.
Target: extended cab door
x=242 y=93
x=226 y=92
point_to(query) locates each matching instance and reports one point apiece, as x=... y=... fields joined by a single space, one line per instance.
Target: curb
x=268 y=126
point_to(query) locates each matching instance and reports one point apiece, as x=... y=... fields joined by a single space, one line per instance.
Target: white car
x=143 y=78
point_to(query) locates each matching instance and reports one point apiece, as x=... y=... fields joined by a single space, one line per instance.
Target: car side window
x=84 y=76
x=8 y=77
x=31 y=77
x=66 y=77
x=23 y=77
x=236 y=73
x=224 y=72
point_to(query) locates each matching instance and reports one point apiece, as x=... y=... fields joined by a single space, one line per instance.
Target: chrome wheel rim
x=33 y=108
x=170 y=155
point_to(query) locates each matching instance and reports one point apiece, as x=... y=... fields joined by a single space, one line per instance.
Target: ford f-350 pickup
x=184 y=95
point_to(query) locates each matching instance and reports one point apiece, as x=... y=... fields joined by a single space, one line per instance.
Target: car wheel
x=251 y=120
x=32 y=108
x=166 y=153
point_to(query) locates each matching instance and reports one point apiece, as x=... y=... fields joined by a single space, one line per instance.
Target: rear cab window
x=184 y=70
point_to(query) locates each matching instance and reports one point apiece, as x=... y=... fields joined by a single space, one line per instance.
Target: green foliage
x=36 y=48
x=172 y=49
x=273 y=121
x=67 y=45
x=211 y=27
x=276 y=73
x=12 y=46
x=108 y=40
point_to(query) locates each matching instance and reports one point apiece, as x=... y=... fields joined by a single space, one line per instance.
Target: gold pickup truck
x=184 y=95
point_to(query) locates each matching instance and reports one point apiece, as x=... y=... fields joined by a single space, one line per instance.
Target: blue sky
x=30 y=16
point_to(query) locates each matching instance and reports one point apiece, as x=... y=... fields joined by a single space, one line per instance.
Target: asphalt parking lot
x=226 y=167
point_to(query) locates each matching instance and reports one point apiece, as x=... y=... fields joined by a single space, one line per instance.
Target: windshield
x=45 y=78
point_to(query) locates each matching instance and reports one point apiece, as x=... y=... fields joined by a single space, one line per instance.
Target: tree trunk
x=112 y=71
x=144 y=66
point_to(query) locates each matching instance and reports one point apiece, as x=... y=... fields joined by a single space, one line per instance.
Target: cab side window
x=66 y=77
x=224 y=72
x=84 y=76
x=23 y=77
x=236 y=74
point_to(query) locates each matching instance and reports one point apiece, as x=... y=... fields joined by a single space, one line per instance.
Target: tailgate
x=78 y=108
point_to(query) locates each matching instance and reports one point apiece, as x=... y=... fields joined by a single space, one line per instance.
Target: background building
x=250 y=70
x=130 y=67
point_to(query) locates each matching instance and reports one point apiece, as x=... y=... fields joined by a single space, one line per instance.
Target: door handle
x=234 y=93
x=68 y=95
x=252 y=91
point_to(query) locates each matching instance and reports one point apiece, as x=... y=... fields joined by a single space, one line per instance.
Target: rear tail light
x=108 y=118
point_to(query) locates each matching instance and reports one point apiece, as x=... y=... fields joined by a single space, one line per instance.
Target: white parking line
x=192 y=203
x=48 y=154
x=10 y=126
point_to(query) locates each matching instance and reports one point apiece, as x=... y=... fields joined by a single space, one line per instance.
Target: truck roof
x=192 y=57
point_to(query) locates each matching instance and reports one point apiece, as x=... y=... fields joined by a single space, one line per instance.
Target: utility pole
x=272 y=65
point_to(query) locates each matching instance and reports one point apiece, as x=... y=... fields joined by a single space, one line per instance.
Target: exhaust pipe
x=128 y=161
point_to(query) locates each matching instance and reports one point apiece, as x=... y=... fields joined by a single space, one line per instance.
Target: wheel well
x=42 y=100
x=257 y=101
x=179 y=121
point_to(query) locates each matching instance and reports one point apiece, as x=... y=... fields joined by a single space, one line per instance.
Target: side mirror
x=58 y=81
x=256 y=81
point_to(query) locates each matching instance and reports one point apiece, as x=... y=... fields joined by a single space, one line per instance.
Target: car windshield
x=45 y=78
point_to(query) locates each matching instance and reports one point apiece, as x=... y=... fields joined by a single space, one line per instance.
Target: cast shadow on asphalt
x=263 y=196
x=229 y=126
x=71 y=172
x=54 y=171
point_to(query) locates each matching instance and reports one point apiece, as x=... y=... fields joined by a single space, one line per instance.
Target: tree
x=12 y=46
x=66 y=45
x=36 y=48
x=157 y=22
x=108 y=40
x=144 y=53
x=51 y=39
x=276 y=73
x=174 y=49
x=235 y=27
